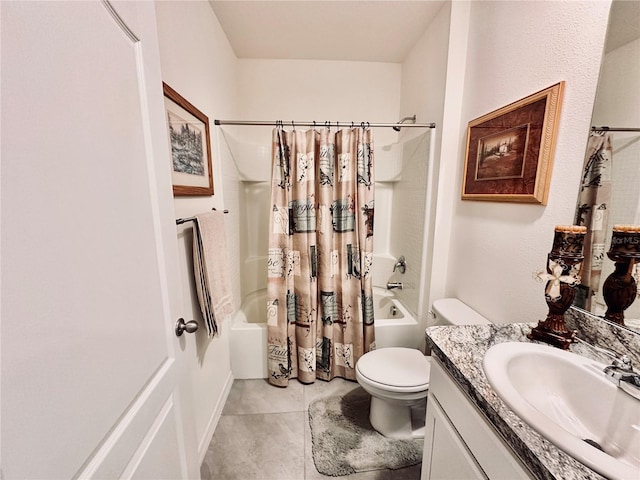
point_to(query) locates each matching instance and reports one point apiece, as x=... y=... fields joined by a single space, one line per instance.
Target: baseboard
x=203 y=445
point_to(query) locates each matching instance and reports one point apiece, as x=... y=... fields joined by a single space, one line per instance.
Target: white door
x=91 y=369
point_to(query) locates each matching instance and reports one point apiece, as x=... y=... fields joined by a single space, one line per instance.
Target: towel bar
x=180 y=221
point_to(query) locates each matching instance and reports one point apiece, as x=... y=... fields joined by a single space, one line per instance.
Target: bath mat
x=344 y=442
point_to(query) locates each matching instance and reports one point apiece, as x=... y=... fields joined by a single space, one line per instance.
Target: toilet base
x=394 y=420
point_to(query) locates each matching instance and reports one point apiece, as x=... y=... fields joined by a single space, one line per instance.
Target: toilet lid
x=396 y=367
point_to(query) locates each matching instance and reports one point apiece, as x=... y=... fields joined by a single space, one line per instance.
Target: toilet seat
x=396 y=369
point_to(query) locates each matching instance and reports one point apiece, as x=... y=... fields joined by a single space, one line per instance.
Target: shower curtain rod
x=323 y=124
x=614 y=129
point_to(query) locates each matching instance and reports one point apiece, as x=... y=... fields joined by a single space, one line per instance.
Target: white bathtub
x=395 y=327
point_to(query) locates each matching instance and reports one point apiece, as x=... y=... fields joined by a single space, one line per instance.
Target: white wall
x=315 y=90
x=422 y=93
x=618 y=100
x=198 y=63
x=515 y=49
x=306 y=90
x=424 y=75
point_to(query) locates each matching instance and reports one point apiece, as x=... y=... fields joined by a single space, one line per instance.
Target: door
x=91 y=368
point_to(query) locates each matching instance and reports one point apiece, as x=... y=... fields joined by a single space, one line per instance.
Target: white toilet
x=397 y=378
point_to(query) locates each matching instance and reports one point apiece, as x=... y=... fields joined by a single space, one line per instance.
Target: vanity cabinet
x=459 y=442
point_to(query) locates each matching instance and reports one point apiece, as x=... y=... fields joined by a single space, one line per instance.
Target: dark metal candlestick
x=564 y=263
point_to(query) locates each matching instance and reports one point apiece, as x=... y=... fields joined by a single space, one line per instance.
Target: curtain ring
x=314 y=125
x=293 y=126
x=337 y=125
x=327 y=125
x=351 y=124
x=368 y=125
x=362 y=125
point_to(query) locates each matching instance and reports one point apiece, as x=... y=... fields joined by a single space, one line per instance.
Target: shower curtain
x=319 y=291
x=594 y=200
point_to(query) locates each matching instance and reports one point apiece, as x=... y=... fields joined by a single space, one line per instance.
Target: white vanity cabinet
x=459 y=442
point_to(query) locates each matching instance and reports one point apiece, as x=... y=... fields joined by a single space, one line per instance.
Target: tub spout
x=392 y=285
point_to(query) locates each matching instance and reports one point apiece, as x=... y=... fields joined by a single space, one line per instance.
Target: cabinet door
x=446 y=457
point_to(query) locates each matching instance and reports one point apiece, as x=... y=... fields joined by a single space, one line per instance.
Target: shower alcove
x=402 y=172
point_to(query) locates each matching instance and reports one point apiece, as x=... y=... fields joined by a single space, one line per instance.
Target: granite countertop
x=461 y=350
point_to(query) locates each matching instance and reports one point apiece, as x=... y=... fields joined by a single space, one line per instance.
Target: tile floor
x=264 y=434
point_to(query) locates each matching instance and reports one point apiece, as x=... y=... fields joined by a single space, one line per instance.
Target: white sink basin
x=568 y=400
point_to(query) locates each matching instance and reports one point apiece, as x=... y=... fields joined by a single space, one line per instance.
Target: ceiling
x=355 y=30
x=624 y=23
x=361 y=30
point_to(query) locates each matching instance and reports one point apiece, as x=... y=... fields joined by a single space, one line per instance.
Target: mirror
x=610 y=187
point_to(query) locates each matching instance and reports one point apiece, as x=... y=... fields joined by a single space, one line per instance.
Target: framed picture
x=190 y=145
x=510 y=150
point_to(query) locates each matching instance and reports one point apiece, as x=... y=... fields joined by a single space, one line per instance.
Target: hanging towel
x=211 y=269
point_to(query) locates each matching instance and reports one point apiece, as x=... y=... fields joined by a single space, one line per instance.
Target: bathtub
x=394 y=324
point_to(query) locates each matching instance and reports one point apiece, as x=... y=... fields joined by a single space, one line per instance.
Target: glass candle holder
x=625 y=242
x=568 y=241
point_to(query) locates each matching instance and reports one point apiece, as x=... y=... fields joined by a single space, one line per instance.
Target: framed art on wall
x=509 y=151
x=190 y=145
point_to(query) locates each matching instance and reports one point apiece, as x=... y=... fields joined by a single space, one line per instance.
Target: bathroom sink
x=568 y=400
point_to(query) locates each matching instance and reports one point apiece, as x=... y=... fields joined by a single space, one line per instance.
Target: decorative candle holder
x=564 y=264
x=619 y=289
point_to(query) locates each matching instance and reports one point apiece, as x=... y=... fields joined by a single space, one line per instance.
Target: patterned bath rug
x=344 y=442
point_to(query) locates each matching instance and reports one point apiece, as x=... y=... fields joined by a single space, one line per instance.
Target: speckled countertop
x=461 y=350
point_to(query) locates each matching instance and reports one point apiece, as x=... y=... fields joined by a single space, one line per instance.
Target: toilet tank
x=451 y=311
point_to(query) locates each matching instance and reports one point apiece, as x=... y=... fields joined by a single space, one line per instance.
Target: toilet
x=397 y=378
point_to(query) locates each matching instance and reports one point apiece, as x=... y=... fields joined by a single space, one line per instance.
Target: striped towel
x=211 y=269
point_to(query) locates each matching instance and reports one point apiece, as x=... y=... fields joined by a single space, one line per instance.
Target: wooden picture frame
x=189 y=145
x=510 y=151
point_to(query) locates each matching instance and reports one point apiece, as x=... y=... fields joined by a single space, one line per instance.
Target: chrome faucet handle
x=623 y=363
x=620 y=372
x=632 y=379
x=616 y=372
x=625 y=379
x=401 y=265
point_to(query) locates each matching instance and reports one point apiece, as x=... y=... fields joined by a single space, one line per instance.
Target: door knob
x=188 y=327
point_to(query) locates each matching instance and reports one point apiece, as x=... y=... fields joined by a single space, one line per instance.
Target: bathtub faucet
x=392 y=285
x=401 y=265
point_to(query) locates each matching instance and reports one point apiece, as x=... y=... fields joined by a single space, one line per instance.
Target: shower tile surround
x=400 y=171
x=408 y=219
x=461 y=350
